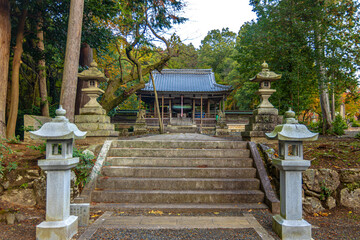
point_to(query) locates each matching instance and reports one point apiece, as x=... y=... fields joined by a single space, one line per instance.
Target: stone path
x=108 y=222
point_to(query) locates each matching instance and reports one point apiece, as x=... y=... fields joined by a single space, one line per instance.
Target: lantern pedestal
x=58 y=224
x=289 y=224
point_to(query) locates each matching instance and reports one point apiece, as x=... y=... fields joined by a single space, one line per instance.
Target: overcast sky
x=206 y=15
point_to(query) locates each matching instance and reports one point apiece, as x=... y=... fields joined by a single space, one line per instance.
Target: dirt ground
x=328 y=152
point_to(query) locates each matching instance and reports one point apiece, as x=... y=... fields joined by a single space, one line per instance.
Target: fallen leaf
x=216 y=212
x=250 y=210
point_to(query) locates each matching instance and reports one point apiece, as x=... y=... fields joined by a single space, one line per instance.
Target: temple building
x=189 y=95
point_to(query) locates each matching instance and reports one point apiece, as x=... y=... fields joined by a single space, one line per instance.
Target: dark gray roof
x=185 y=80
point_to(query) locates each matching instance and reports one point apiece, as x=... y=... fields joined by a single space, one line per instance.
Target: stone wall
x=27 y=187
x=322 y=188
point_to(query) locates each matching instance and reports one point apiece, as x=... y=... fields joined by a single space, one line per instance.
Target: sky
x=206 y=15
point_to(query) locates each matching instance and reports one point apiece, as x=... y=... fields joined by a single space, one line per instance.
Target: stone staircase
x=178 y=172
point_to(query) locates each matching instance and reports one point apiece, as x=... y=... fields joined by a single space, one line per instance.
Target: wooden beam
x=170 y=110
x=201 y=111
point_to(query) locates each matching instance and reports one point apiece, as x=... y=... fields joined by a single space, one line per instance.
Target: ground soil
x=328 y=152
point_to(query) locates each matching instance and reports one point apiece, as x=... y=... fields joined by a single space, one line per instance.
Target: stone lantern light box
x=291 y=135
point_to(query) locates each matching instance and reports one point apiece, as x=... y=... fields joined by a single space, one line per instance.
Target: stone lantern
x=93 y=118
x=59 y=135
x=290 y=224
x=93 y=76
x=265 y=78
x=265 y=116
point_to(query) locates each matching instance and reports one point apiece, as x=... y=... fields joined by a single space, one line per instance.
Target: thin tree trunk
x=157 y=105
x=71 y=65
x=5 y=36
x=14 y=98
x=42 y=70
x=333 y=102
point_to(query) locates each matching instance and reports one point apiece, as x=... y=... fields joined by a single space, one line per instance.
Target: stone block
x=92 y=119
x=22 y=197
x=82 y=211
x=350 y=175
x=57 y=230
x=32 y=122
x=269 y=111
x=92 y=111
x=330 y=202
x=349 y=198
x=291 y=229
x=312 y=205
x=101 y=133
x=316 y=180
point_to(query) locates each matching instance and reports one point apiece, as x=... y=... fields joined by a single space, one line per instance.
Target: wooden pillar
x=182 y=104
x=223 y=105
x=155 y=110
x=170 y=110
x=208 y=108
x=162 y=108
x=201 y=111
x=193 y=115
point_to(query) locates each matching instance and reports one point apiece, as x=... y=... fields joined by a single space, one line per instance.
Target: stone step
x=180 y=144
x=179 y=162
x=178 y=172
x=177 y=206
x=180 y=152
x=177 y=184
x=163 y=196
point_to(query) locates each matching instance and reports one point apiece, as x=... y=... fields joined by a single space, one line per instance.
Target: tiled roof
x=185 y=80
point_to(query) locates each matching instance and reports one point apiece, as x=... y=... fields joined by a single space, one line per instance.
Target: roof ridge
x=184 y=71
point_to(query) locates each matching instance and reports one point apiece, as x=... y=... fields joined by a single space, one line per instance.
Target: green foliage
x=14 y=140
x=354 y=123
x=41 y=148
x=339 y=125
x=4 y=148
x=325 y=192
x=357 y=136
x=84 y=167
x=353 y=186
x=12 y=166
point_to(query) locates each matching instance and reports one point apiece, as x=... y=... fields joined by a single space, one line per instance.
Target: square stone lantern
x=290 y=224
x=59 y=135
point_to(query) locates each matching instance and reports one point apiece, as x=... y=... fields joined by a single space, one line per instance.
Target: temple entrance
x=186 y=97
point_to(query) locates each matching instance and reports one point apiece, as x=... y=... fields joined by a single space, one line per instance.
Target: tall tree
x=71 y=65
x=5 y=37
x=14 y=97
x=139 y=25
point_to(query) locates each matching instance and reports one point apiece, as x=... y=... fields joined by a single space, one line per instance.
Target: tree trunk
x=71 y=64
x=157 y=105
x=42 y=70
x=324 y=100
x=14 y=98
x=86 y=57
x=5 y=36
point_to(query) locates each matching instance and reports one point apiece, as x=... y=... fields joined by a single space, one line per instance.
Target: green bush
x=339 y=125
x=83 y=168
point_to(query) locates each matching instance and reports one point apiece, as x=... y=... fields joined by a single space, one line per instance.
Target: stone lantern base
x=140 y=128
x=57 y=230
x=96 y=125
x=291 y=229
x=262 y=121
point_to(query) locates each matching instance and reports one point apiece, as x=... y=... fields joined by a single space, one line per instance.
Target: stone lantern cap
x=266 y=75
x=58 y=128
x=291 y=130
x=93 y=73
